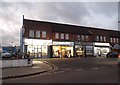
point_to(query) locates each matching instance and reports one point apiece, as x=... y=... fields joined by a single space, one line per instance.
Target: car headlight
x=118 y=55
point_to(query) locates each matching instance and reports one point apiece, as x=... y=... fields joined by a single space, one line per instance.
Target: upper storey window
x=62 y=36
x=83 y=37
x=97 y=38
x=66 y=36
x=43 y=34
x=87 y=38
x=56 y=35
x=38 y=34
x=31 y=33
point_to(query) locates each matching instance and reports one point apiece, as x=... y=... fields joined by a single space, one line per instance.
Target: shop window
x=87 y=38
x=66 y=36
x=97 y=38
x=104 y=39
x=83 y=37
x=38 y=34
x=43 y=34
x=62 y=36
x=101 y=38
x=31 y=33
x=56 y=35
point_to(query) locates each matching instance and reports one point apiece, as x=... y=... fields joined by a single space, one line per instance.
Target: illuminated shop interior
x=37 y=48
x=80 y=51
x=62 y=51
x=101 y=49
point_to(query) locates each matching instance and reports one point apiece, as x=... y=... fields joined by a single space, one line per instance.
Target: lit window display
x=80 y=51
x=37 y=48
x=62 y=51
x=89 y=50
x=101 y=49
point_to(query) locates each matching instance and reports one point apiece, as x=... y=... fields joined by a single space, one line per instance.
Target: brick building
x=49 y=39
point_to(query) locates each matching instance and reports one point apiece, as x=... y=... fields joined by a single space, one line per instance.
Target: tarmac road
x=75 y=71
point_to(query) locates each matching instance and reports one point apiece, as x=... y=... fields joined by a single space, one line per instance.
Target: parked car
x=113 y=55
x=5 y=54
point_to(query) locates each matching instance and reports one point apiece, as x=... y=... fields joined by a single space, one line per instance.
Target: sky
x=91 y=14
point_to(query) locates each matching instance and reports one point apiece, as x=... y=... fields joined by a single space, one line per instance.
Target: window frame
x=83 y=37
x=62 y=36
x=37 y=32
x=67 y=36
x=97 y=38
x=101 y=38
x=87 y=38
x=57 y=36
x=44 y=35
x=31 y=33
x=104 y=39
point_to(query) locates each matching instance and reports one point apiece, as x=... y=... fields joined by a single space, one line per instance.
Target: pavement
x=37 y=68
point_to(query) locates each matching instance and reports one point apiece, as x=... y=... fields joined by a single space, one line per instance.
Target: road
x=75 y=70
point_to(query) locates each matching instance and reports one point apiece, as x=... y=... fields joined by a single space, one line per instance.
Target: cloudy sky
x=93 y=14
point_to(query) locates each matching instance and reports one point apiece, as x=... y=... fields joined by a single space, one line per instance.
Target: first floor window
x=97 y=38
x=38 y=34
x=57 y=35
x=62 y=35
x=104 y=39
x=117 y=40
x=114 y=40
x=87 y=38
x=83 y=37
x=101 y=38
x=78 y=37
x=111 y=39
x=67 y=36
x=31 y=33
x=43 y=34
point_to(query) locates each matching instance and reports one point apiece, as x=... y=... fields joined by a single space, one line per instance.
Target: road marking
x=36 y=67
x=58 y=72
x=78 y=69
x=37 y=62
x=66 y=69
x=95 y=68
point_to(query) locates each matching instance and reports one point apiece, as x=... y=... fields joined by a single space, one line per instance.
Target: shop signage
x=64 y=43
x=83 y=43
x=37 y=42
x=101 y=44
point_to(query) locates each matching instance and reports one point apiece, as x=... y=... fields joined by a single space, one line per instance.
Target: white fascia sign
x=37 y=42
x=63 y=43
x=101 y=44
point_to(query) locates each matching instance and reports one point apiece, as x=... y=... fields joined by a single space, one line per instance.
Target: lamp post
x=12 y=43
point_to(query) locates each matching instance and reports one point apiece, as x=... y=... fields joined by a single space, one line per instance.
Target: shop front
x=115 y=48
x=101 y=49
x=83 y=49
x=37 y=48
x=63 y=49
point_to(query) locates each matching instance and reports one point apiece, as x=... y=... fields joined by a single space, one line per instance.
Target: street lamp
x=12 y=43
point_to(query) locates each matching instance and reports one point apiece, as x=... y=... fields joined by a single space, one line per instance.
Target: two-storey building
x=49 y=39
